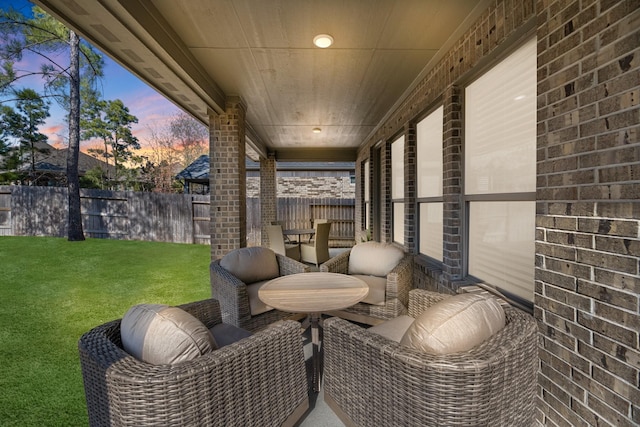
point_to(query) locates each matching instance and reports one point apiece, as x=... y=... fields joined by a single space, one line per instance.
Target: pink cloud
x=56 y=134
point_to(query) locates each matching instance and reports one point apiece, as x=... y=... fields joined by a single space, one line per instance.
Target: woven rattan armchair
x=371 y=380
x=259 y=380
x=399 y=283
x=233 y=294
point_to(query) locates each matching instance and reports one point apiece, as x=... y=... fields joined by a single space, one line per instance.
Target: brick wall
x=587 y=245
x=267 y=191
x=452 y=185
x=410 y=187
x=587 y=280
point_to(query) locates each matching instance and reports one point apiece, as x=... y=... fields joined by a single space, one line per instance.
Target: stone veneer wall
x=307 y=187
x=587 y=284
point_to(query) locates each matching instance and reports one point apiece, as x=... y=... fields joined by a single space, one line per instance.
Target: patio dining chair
x=317 y=251
x=257 y=380
x=278 y=244
x=374 y=377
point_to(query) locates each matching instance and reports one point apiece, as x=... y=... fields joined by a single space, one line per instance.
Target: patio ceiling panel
x=198 y=52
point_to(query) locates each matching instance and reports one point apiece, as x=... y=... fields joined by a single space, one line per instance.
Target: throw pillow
x=455 y=324
x=160 y=334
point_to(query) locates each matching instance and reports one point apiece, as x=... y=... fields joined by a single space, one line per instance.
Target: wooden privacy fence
x=179 y=218
x=126 y=215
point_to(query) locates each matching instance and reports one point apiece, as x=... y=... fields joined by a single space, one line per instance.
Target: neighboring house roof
x=51 y=159
x=196 y=171
x=199 y=169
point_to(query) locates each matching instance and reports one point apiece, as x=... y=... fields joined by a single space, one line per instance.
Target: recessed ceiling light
x=316 y=130
x=323 y=40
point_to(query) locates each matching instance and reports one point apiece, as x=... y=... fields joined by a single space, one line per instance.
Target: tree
x=192 y=137
x=49 y=39
x=23 y=122
x=164 y=158
x=92 y=123
x=175 y=146
x=111 y=122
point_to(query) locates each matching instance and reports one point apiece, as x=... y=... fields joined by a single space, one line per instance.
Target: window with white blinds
x=367 y=196
x=429 y=179
x=397 y=188
x=500 y=172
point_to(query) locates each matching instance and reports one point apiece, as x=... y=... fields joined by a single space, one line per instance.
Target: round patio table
x=313 y=293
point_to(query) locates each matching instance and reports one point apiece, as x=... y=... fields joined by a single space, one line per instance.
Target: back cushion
x=374 y=258
x=251 y=264
x=160 y=334
x=457 y=323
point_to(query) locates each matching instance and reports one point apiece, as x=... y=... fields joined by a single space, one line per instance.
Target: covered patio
x=496 y=142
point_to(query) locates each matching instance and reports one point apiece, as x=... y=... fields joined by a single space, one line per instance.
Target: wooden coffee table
x=313 y=293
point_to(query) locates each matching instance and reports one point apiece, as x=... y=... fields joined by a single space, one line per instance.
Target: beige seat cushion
x=252 y=264
x=256 y=306
x=393 y=329
x=374 y=258
x=161 y=335
x=455 y=324
x=377 y=289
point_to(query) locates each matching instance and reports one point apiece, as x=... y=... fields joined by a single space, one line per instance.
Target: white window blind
x=366 y=181
x=500 y=126
x=429 y=139
x=429 y=134
x=397 y=168
x=500 y=170
x=398 y=223
x=431 y=229
x=397 y=188
x=502 y=245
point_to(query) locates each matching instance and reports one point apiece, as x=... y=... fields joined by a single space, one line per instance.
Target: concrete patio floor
x=319 y=414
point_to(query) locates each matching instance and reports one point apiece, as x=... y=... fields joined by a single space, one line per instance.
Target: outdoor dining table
x=299 y=232
x=313 y=293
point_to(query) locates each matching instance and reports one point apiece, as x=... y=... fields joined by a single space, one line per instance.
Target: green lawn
x=52 y=291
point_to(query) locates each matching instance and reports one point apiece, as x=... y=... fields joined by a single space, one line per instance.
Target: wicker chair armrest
x=291 y=266
x=207 y=311
x=211 y=387
x=420 y=300
x=232 y=294
x=337 y=264
x=400 y=280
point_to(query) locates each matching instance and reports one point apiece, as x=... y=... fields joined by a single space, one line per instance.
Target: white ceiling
x=198 y=52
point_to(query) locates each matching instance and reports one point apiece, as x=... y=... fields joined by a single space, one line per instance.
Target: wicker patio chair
x=237 y=297
x=372 y=380
x=259 y=380
x=399 y=282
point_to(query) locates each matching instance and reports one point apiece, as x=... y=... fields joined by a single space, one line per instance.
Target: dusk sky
x=151 y=108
